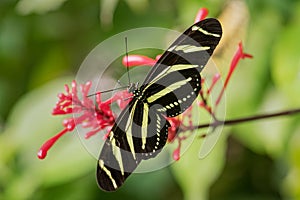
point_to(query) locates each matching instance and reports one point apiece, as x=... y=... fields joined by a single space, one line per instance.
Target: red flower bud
x=137 y=60
x=202 y=14
x=176 y=154
x=239 y=54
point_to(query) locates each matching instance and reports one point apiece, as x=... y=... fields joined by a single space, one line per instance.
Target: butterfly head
x=133 y=87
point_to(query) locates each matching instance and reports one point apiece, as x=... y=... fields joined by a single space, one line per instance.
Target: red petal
x=176 y=153
x=202 y=14
x=42 y=153
x=239 y=54
x=137 y=60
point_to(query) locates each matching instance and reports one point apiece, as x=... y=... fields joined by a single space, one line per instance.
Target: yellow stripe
x=117 y=153
x=145 y=125
x=159 y=76
x=111 y=135
x=181 y=67
x=128 y=130
x=188 y=48
x=170 y=69
x=101 y=164
x=194 y=28
x=167 y=90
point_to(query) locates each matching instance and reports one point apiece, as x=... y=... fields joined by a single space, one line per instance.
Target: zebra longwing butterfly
x=171 y=86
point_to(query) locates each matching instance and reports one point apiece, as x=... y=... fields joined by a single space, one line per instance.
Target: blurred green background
x=43 y=43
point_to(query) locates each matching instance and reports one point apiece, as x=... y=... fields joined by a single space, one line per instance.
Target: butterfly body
x=171 y=86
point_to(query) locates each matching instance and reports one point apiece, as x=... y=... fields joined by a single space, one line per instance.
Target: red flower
x=138 y=60
x=239 y=54
x=93 y=115
x=202 y=14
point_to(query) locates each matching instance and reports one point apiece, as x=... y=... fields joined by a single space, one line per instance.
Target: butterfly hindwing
x=110 y=173
x=140 y=133
x=150 y=135
x=174 y=97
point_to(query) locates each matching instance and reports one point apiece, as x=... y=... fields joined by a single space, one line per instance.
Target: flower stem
x=217 y=123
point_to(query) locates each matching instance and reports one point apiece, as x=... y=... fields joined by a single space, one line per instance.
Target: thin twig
x=217 y=123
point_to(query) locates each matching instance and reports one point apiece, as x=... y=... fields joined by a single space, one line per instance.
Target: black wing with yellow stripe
x=172 y=85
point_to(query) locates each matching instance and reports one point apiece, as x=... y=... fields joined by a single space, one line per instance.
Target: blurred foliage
x=43 y=43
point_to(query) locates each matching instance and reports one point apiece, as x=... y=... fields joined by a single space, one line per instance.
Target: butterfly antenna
x=119 y=82
x=127 y=66
x=105 y=91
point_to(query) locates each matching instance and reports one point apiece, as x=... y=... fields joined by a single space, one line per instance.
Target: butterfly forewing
x=194 y=46
x=171 y=86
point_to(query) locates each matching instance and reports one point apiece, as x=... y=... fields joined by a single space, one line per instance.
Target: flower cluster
x=97 y=115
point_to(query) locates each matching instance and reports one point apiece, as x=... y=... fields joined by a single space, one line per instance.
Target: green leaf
x=290 y=185
x=194 y=175
x=26 y=7
x=269 y=135
x=286 y=62
x=52 y=65
x=108 y=8
x=138 y=5
x=188 y=11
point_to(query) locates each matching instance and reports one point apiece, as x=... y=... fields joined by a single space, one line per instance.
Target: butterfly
x=173 y=83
